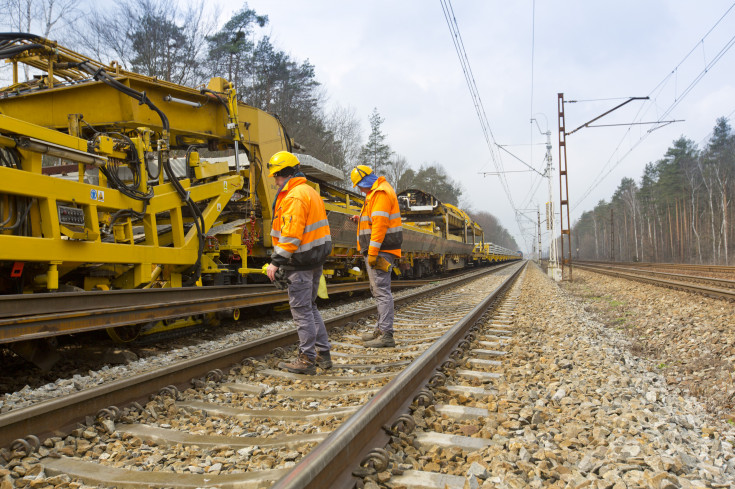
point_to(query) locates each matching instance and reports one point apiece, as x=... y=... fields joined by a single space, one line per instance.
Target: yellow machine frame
x=46 y=117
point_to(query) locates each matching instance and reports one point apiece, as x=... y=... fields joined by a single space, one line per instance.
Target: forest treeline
x=680 y=211
x=182 y=43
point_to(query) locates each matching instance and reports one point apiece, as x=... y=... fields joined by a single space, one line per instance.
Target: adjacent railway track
x=450 y=315
x=35 y=316
x=711 y=286
x=681 y=268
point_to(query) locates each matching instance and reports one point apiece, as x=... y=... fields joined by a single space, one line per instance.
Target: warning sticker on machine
x=98 y=195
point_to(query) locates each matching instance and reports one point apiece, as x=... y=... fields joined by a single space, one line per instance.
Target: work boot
x=385 y=340
x=371 y=335
x=302 y=365
x=323 y=360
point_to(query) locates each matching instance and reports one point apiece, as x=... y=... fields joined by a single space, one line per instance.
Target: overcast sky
x=399 y=57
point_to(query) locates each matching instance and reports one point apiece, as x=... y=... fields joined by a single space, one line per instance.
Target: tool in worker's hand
x=280 y=280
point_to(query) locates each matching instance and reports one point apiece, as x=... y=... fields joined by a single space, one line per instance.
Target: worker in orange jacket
x=301 y=244
x=379 y=238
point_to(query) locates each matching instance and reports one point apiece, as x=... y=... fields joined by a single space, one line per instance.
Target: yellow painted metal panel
x=23 y=248
x=23 y=127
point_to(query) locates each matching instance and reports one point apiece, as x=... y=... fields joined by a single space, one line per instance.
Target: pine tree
x=376 y=153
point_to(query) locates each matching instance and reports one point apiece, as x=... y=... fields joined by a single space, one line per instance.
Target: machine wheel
x=125 y=334
x=229 y=314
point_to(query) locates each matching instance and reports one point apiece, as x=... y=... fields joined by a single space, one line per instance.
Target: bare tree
x=19 y=14
x=155 y=38
x=345 y=125
x=707 y=172
x=57 y=15
x=43 y=17
x=397 y=167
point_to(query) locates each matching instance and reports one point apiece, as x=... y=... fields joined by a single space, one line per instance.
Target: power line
x=657 y=90
x=533 y=49
x=531 y=168
x=476 y=99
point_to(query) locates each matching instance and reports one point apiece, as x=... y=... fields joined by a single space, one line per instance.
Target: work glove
x=379 y=263
x=281 y=281
x=383 y=264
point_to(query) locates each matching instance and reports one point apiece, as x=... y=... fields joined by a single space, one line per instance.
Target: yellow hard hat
x=281 y=160
x=358 y=173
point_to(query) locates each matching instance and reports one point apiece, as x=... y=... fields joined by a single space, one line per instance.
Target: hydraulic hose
x=101 y=75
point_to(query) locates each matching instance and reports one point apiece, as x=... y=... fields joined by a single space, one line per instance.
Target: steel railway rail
x=678 y=267
x=715 y=287
x=34 y=316
x=346 y=444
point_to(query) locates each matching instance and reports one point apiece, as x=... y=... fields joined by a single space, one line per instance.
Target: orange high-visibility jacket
x=380 y=227
x=300 y=229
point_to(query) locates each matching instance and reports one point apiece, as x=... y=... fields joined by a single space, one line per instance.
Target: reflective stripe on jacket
x=300 y=229
x=380 y=227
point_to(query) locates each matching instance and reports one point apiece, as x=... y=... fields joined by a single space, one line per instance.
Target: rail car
x=114 y=180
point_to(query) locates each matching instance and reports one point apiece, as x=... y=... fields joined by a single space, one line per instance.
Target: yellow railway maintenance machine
x=90 y=195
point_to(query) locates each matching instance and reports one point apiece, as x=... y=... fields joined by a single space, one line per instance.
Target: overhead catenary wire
x=476 y=99
x=673 y=74
x=533 y=49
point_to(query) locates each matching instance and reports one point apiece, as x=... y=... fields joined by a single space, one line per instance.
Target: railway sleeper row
x=641 y=276
x=428 y=448
x=676 y=276
x=251 y=426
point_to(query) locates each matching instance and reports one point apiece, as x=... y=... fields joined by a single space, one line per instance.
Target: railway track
x=268 y=419
x=36 y=316
x=710 y=286
x=723 y=271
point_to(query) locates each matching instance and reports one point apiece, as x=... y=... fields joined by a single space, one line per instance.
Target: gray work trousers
x=309 y=323
x=380 y=288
